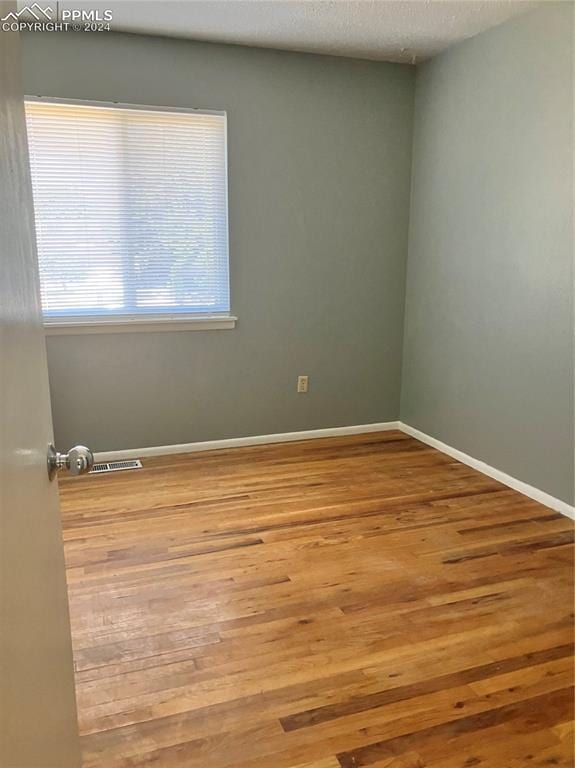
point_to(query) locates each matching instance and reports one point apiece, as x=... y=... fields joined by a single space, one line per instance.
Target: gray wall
x=319 y=163
x=488 y=356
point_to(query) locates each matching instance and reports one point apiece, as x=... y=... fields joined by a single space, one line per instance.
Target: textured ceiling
x=390 y=30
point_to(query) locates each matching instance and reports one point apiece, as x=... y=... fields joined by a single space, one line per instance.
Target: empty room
x=287 y=473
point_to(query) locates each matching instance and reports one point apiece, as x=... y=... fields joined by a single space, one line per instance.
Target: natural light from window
x=131 y=210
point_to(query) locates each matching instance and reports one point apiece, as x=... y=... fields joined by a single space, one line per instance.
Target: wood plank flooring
x=336 y=603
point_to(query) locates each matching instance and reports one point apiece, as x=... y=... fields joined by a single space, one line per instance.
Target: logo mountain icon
x=35 y=10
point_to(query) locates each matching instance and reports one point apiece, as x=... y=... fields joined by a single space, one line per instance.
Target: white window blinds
x=131 y=210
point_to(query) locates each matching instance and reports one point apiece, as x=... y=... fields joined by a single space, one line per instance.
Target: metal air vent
x=116 y=466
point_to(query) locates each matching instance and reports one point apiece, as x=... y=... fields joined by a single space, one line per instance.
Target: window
x=131 y=212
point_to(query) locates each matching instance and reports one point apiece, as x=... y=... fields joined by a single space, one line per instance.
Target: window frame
x=149 y=321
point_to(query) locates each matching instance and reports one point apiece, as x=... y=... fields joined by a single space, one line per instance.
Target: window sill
x=75 y=326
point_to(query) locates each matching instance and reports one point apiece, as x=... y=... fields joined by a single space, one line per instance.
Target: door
x=38 y=712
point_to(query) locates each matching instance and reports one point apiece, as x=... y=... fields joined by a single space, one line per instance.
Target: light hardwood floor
x=337 y=603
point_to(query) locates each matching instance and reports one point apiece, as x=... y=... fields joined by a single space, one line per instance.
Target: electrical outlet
x=302 y=383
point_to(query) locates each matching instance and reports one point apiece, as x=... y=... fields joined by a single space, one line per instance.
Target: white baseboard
x=285 y=437
x=496 y=474
x=238 y=442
